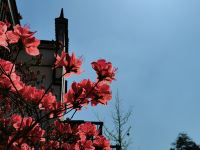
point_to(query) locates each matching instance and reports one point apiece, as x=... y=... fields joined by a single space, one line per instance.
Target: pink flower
x=76 y=96
x=101 y=94
x=12 y=37
x=6 y=83
x=86 y=145
x=31 y=94
x=102 y=143
x=67 y=146
x=27 y=121
x=104 y=70
x=19 y=123
x=71 y=63
x=87 y=131
x=3 y=39
x=7 y=66
x=63 y=128
x=87 y=84
x=16 y=121
x=36 y=134
x=23 y=32
x=48 y=101
x=18 y=84
x=60 y=60
x=31 y=45
x=51 y=145
x=9 y=70
x=3 y=27
x=25 y=146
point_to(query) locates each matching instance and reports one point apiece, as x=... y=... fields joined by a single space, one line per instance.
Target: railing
x=116 y=147
x=99 y=124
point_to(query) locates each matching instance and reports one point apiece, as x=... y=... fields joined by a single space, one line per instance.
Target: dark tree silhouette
x=184 y=142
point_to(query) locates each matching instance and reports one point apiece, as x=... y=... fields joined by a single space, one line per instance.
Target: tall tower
x=62 y=40
x=61 y=27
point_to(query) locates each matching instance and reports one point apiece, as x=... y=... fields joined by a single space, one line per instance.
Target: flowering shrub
x=29 y=116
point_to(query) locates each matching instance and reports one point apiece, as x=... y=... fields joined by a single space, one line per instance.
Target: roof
x=47 y=44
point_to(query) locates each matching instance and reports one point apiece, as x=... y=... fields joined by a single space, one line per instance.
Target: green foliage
x=184 y=142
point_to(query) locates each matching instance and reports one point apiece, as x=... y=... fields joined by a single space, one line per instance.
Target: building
x=41 y=66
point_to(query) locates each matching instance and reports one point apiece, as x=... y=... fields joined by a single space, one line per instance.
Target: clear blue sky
x=156 y=46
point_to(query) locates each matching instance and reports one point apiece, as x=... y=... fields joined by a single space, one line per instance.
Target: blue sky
x=155 y=45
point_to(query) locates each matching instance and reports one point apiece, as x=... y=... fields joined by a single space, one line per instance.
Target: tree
x=184 y=142
x=29 y=117
x=121 y=132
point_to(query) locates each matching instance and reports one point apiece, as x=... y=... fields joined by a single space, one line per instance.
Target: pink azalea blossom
x=71 y=63
x=31 y=46
x=104 y=70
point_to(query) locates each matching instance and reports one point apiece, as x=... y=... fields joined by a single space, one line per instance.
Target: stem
x=14 y=61
x=73 y=114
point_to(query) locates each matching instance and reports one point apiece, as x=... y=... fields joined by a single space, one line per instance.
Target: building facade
x=39 y=69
